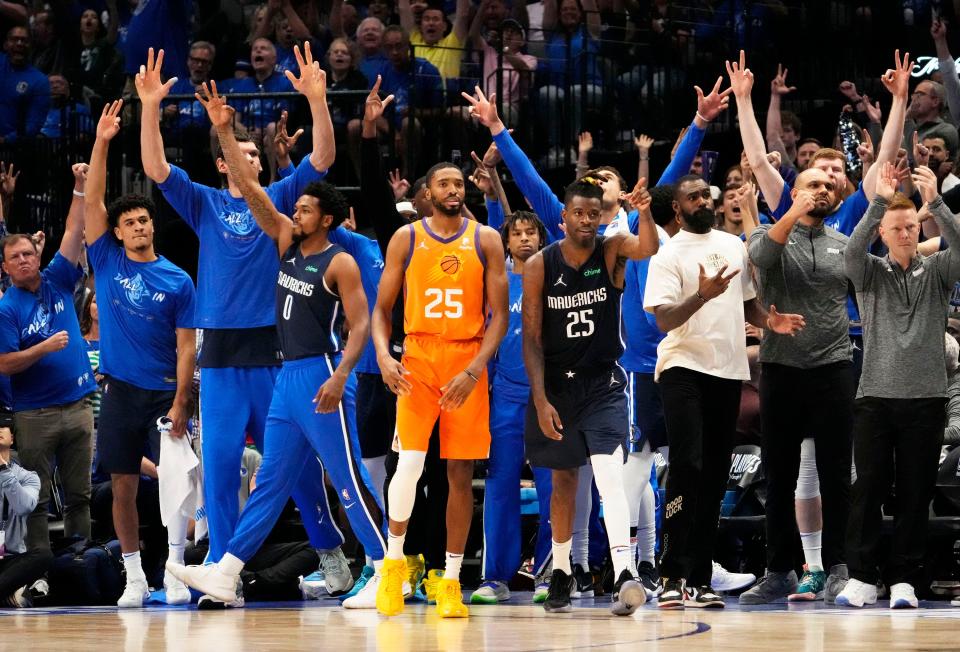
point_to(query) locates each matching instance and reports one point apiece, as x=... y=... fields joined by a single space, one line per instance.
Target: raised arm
x=592 y=17
x=274 y=224
x=630 y=246
x=643 y=143
x=897 y=81
x=376 y=193
x=151 y=90
x=95 y=207
x=926 y=182
x=312 y=84
x=708 y=108
x=550 y=15
x=455 y=392
x=71 y=246
x=778 y=88
x=407 y=21
x=856 y=254
x=768 y=178
x=948 y=68
x=584 y=145
x=343 y=276
x=461 y=20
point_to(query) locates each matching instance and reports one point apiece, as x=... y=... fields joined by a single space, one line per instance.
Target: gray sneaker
x=772 y=587
x=336 y=571
x=836 y=580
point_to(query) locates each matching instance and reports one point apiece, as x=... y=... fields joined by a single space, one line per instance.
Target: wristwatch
x=4 y=467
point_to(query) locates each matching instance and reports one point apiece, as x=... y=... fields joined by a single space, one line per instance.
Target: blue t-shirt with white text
x=238 y=263
x=141 y=305
x=27 y=319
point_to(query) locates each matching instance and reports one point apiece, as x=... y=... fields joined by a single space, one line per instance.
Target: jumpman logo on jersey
x=423 y=245
x=560 y=281
x=293 y=260
x=613 y=379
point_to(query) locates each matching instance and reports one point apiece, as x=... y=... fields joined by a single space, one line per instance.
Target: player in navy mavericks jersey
x=147 y=356
x=239 y=358
x=523 y=235
x=312 y=407
x=578 y=405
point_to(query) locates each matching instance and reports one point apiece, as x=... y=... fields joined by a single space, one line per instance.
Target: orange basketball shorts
x=432 y=363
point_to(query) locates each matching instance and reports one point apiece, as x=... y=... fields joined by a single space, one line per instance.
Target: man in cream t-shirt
x=700 y=291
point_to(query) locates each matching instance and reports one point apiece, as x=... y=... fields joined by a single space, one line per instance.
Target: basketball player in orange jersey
x=452 y=273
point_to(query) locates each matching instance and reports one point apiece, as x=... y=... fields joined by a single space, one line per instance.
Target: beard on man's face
x=700 y=220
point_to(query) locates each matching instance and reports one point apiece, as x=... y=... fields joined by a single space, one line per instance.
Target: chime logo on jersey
x=134 y=288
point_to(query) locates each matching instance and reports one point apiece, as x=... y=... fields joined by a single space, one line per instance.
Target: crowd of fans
x=576 y=80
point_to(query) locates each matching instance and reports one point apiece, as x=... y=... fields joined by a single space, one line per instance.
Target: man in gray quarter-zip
x=806 y=387
x=899 y=410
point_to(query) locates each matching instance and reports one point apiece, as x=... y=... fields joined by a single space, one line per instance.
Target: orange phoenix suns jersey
x=443 y=289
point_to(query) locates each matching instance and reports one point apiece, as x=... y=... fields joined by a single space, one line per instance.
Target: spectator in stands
x=50 y=45
x=164 y=24
x=100 y=67
x=90 y=329
x=927 y=103
x=507 y=70
x=346 y=111
x=572 y=33
x=190 y=113
x=12 y=13
x=899 y=412
x=19 y=493
x=67 y=117
x=940 y=158
x=783 y=127
x=370 y=39
x=805 y=151
x=404 y=76
x=43 y=352
x=430 y=38
x=382 y=10
x=24 y=90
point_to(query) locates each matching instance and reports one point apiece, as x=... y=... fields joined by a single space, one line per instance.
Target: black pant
x=797 y=403
x=895 y=439
x=701 y=415
x=22 y=570
x=274 y=572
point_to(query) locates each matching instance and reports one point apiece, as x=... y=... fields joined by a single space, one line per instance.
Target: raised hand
x=109 y=124
x=775 y=159
x=865 y=150
x=921 y=153
x=399 y=185
x=784 y=324
x=150 y=87
x=481 y=177
x=219 y=112
x=284 y=142
x=79 y=171
x=741 y=79
x=711 y=287
x=312 y=82
x=374 y=107
x=938 y=30
x=492 y=157
x=640 y=197
x=584 y=143
x=8 y=180
x=849 y=91
x=676 y=145
x=710 y=106
x=925 y=181
x=897 y=80
x=643 y=143
x=39 y=239
x=747 y=197
x=482 y=108
x=872 y=109
x=887 y=181
x=778 y=85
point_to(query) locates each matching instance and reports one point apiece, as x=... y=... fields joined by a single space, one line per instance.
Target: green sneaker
x=491 y=593
x=810 y=587
x=542 y=586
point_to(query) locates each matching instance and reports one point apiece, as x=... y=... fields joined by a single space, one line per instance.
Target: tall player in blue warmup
x=312 y=407
x=147 y=354
x=239 y=358
x=578 y=405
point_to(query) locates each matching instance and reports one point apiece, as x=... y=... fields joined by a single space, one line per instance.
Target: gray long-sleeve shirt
x=806 y=276
x=19 y=493
x=904 y=312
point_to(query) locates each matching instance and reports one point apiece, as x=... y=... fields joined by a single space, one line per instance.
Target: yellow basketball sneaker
x=416 y=567
x=450 y=600
x=430 y=583
x=390 y=591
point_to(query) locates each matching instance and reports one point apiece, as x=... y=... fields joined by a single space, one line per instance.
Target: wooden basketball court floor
x=517 y=625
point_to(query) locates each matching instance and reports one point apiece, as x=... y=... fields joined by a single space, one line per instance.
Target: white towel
x=181 y=483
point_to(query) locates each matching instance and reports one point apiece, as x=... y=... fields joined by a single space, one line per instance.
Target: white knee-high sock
x=647 y=527
x=581 y=517
x=176 y=537
x=812 y=548
x=402 y=494
x=636 y=484
x=608 y=474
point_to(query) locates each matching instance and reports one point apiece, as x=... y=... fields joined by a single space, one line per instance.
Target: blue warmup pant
x=294 y=434
x=501 y=496
x=233 y=403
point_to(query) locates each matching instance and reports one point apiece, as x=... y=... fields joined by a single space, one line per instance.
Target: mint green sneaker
x=810 y=588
